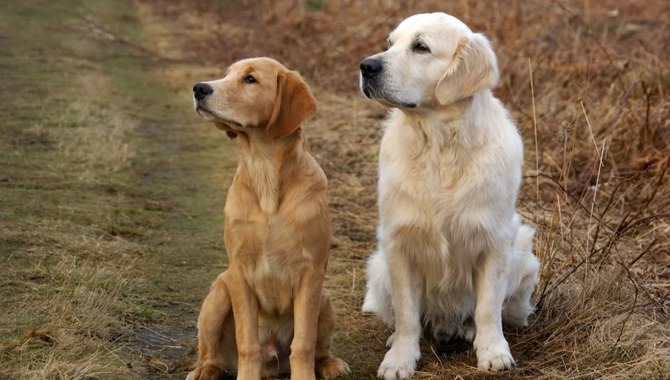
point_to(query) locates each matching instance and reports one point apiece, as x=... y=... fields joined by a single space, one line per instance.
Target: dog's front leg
x=245 y=310
x=305 y=316
x=400 y=360
x=491 y=281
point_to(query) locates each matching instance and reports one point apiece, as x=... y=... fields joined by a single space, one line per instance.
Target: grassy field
x=111 y=188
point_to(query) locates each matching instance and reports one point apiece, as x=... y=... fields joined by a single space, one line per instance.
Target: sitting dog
x=267 y=310
x=453 y=257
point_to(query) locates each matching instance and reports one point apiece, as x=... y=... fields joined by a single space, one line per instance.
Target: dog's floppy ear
x=475 y=68
x=293 y=104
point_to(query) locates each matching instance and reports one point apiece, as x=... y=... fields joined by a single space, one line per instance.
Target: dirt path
x=111 y=194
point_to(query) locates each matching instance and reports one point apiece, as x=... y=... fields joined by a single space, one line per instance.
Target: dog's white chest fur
x=433 y=175
x=448 y=188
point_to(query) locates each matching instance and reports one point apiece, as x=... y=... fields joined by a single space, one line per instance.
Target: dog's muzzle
x=370 y=70
x=371 y=67
x=202 y=90
x=373 y=86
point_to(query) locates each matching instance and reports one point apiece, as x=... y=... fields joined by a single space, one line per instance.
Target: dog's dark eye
x=420 y=47
x=249 y=79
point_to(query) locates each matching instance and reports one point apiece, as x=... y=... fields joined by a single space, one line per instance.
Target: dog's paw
x=208 y=372
x=399 y=362
x=332 y=367
x=495 y=357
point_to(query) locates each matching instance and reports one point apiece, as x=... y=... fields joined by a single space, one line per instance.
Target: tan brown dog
x=268 y=310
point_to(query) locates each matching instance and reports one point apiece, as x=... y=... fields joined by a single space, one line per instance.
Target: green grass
x=111 y=198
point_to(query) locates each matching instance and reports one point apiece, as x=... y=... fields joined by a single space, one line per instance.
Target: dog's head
x=433 y=60
x=255 y=95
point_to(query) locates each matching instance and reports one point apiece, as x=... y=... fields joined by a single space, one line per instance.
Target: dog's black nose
x=371 y=67
x=201 y=90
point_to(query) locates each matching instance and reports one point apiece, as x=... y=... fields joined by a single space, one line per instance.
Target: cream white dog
x=453 y=256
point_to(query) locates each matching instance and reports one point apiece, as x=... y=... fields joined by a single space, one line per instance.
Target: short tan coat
x=267 y=310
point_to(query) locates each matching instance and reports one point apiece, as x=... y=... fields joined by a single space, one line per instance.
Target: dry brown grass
x=67 y=289
x=77 y=318
x=91 y=199
x=596 y=123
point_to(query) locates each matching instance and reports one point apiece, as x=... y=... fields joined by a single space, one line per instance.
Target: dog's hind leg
x=216 y=334
x=518 y=306
x=326 y=366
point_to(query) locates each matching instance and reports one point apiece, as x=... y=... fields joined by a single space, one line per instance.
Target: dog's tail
x=523 y=280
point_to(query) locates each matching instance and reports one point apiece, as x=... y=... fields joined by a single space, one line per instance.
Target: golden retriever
x=267 y=312
x=453 y=256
